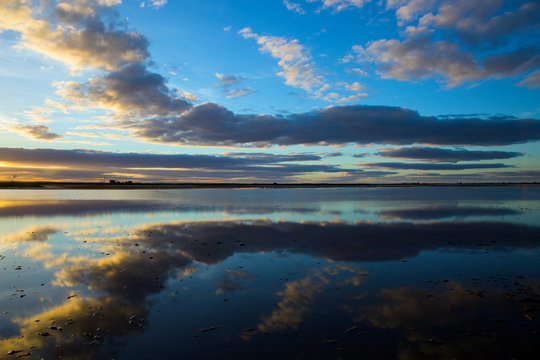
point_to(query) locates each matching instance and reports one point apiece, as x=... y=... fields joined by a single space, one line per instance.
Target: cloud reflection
x=444 y=212
x=451 y=323
x=132 y=268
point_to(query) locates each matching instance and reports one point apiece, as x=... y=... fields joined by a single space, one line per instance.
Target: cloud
x=81 y=321
x=156 y=4
x=446 y=310
x=446 y=155
x=296 y=302
x=122 y=275
x=228 y=80
x=294 y=7
x=444 y=212
x=431 y=166
x=512 y=176
x=31 y=234
x=479 y=21
x=127 y=278
x=211 y=123
x=355 y=86
x=339 y=5
x=38 y=132
x=356 y=71
x=459 y=42
x=48 y=208
x=231 y=281
x=218 y=240
x=130 y=91
x=296 y=62
x=97 y=159
x=188 y=96
x=75 y=33
x=88 y=34
x=68 y=207
x=407 y=10
x=240 y=92
x=352 y=98
x=331 y=154
x=420 y=58
x=532 y=80
x=94 y=165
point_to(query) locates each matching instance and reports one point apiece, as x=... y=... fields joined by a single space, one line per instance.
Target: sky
x=341 y=91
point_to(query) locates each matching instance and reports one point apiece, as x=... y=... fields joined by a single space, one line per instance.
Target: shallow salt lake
x=339 y=273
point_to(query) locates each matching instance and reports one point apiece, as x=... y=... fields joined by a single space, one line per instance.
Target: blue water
x=346 y=273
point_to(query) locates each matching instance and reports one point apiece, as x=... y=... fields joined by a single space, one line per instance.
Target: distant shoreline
x=83 y=185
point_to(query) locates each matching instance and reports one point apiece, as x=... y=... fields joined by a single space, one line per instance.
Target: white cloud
x=156 y=4
x=355 y=86
x=294 y=7
x=339 y=5
x=296 y=62
x=356 y=71
x=407 y=10
x=352 y=98
x=187 y=95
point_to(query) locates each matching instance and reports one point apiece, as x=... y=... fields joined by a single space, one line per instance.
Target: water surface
x=348 y=273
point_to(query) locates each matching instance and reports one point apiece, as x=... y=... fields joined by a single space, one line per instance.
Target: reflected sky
x=323 y=273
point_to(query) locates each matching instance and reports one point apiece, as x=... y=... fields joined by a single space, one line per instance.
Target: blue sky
x=290 y=91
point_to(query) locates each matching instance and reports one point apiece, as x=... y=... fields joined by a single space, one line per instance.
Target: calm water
x=343 y=273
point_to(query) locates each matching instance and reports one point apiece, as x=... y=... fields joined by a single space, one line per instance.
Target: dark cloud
x=517 y=175
x=40 y=132
x=77 y=33
x=47 y=208
x=213 y=242
x=95 y=165
x=532 y=80
x=444 y=212
x=453 y=321
x=72 y=207
x=459 y=42
x=232 y=281
x=131 y=90
x=82 y=326
x=478 y=22
x=518 y=61
x=129 y=275
x=211 y=123
x=446 y=155
x=228 y=80
x=240 y=92
x=94 y=158
x=430 y=166
x=332 y=154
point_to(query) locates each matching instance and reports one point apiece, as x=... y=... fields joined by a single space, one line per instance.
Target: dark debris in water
x=208 y=329
x=351 y=329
